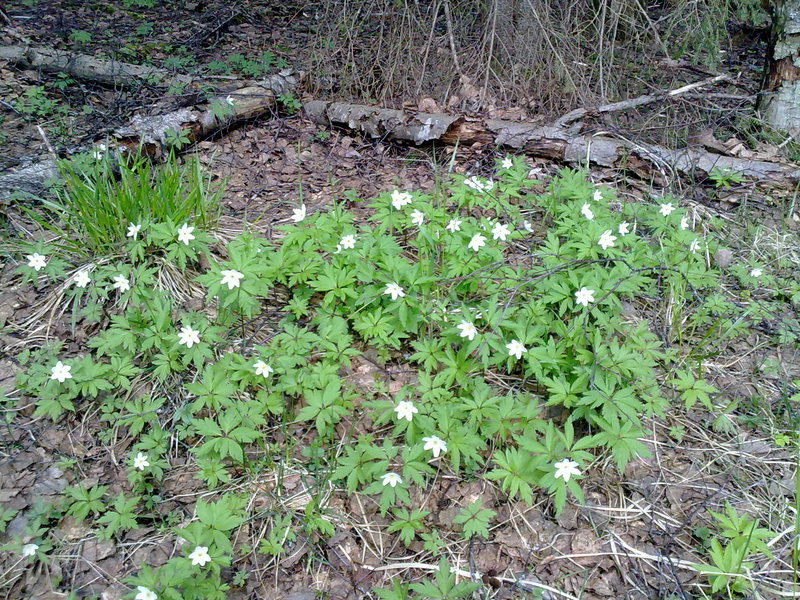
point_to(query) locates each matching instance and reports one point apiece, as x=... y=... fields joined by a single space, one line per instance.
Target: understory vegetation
x=523 y=340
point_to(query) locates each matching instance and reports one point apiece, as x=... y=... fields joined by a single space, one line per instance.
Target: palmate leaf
x=475 y=519
x=694 y=390
x=621 y=437
x=214 y=390
x=407 y=523
x=121 y=517
x=323 y=408
x=513 y=474
x=225 y=514
x=445 y=587
x=360 y=465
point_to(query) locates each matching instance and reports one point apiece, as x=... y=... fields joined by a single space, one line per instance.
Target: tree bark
x=780 y=96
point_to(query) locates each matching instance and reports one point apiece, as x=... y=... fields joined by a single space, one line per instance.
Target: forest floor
x=638 y=532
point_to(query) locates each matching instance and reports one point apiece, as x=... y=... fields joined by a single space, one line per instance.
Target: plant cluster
x=458 y=286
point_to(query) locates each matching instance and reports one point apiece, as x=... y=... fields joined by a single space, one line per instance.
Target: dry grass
x=546 y=56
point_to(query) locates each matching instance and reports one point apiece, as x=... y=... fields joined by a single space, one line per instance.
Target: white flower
x=61 y=372
x=263 y=368
x=133 y=231
x=405 y=410
x=199 y=556
x=145 y=594
x=566 y=469
x=37 y=261
x=141 y=462
x=516 y=348
x=417 y=218
x=346 y=243
x=435 y=445
x=400 y=199
x=507 y=163
x=606 y=240
x=82 y=279
x=185 y=234
x=188 y=337
x=298 y=214
x=468 y=330
x=391 y=479
x=597 y=196
x=526 y=225
x=685 y=222
x=453 y=226
x=394 y=290
x=121 y=283
x=757 y=272
x=666 y=209
x=624 y=228
x=477 y=242
x=586 y=211
x=500 y=232
x=584 y=296
x=231 y=278
x=474 y=183
x=478 y=185
x=694 y=246
x=229 y=101
x=29 y=550
x=99 y=151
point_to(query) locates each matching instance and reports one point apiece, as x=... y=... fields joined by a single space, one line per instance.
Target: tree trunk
x=780 y=99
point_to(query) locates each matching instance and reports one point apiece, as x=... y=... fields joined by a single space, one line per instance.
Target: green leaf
x=475 y=519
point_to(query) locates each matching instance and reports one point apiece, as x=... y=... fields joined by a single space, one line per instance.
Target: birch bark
x=780 y=95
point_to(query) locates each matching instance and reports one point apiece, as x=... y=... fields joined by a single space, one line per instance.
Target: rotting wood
x=567 y=145
x=81 y=66
x=149 y=133
x=114 y=73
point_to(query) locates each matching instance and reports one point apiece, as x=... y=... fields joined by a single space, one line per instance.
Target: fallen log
x=150 y=134
x=81 y=66
x=562 y=144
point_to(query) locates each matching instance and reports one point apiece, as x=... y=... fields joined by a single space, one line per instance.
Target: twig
x=449 y=20
x=492 y=35
x=634 y=102
x=653 y=29
x=47 y=142
x=10 y=107
x=428 y=45
x=205 y=32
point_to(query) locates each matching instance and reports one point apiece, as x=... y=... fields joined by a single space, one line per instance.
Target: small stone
x=723 y=258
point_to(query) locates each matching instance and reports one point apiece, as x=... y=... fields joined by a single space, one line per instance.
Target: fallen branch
x=579 y=113
x=549 y=141
x=150 y=133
